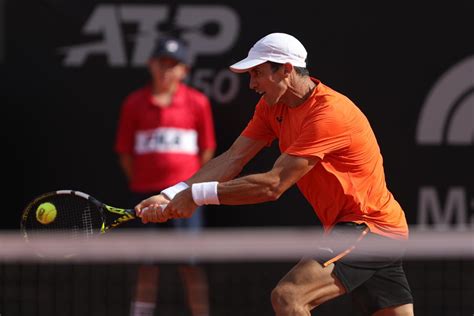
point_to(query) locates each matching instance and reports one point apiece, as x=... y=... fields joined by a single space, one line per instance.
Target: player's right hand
x=151 y=209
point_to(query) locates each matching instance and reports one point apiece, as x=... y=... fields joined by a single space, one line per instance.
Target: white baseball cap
x=276 y=47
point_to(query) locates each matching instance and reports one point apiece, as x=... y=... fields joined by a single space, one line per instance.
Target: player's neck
x=300 y=91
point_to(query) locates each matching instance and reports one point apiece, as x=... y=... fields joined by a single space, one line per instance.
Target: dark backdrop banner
x=409 y=65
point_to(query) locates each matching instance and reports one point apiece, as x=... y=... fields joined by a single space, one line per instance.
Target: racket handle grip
x=162 y=206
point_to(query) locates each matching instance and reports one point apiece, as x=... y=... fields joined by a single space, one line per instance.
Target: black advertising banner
x=67 y=65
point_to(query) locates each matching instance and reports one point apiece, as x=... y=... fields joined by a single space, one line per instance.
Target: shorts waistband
x=348 y=250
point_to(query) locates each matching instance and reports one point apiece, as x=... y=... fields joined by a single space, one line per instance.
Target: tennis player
x=329 y=150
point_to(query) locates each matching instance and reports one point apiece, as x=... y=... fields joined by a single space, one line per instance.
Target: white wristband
x=205 y=193
x=175 y=189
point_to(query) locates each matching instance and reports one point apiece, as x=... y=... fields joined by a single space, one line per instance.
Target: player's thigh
x=309 y=283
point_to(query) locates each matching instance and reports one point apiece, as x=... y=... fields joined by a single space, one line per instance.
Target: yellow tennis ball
x=46 y=213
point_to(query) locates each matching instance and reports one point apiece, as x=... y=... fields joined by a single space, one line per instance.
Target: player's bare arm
x=229 y=164
x=251 y=189
x=268 y=186
x=206 y=155
x=224 y=167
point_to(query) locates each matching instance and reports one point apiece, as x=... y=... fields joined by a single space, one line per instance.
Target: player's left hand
x=151 y=209
x=181 y=206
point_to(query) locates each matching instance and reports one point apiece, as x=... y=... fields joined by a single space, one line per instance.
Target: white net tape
x=224 y=244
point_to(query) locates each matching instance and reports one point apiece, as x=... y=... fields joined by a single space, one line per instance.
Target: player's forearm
x=256 y=188
x=206 y=155
x=222 y=168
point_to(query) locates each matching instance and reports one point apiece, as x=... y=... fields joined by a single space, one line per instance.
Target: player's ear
x=287 y=69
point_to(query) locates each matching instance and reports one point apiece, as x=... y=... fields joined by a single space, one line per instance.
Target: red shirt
x=165 y=142
x=348 y=184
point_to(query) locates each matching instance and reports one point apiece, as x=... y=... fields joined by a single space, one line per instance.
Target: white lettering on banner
x=147 y=18
x=447 y=115
x=213 y=84
x=454 y=214
x=166 y=140
x=106 y=21
x=446 y=118
x=103 y=21
x=195 y=17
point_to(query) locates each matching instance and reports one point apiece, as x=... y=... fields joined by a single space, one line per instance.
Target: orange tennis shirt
x=348 y=184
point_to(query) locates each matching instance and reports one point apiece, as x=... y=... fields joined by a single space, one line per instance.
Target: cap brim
x=246 y=64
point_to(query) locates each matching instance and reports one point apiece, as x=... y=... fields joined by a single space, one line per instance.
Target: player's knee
x=284 y=299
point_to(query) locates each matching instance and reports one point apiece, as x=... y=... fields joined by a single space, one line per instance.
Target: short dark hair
x=302 y=71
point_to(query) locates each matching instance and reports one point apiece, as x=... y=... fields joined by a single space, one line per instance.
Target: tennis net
x=242 y=266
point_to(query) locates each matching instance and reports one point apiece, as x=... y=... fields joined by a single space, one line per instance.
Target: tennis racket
x=75 y=214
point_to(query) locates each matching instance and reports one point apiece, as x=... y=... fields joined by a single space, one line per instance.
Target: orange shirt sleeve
x=258 y=127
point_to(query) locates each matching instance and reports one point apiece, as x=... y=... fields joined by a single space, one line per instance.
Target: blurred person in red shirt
x=165 y=134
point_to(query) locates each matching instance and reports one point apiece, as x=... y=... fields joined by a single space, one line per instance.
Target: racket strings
x=87 y=222
x=77 y=217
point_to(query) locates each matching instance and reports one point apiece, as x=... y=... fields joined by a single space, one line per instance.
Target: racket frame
x=125 y=214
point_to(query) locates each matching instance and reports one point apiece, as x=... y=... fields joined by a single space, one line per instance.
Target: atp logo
x=210 y=30
x=108 y=21
x=447 y=115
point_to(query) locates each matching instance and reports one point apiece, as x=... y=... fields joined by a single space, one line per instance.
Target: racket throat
x=122 y=219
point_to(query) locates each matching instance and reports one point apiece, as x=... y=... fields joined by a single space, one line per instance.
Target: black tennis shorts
x=375 y=280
